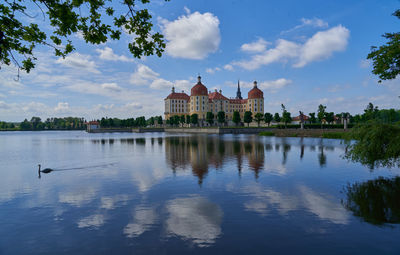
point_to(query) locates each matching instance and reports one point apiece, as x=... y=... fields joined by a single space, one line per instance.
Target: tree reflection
x=376 y=201
x=202 y=152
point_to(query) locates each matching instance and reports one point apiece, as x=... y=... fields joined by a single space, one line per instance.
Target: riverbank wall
x=144 y=130
x=218 y=130
x=110 y=130
x=305 y=132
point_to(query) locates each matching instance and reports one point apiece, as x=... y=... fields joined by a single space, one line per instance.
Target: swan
x=46 y=170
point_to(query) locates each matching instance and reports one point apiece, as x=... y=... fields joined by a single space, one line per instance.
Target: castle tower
x=238 y=93
x=199 y=99
x=255 y=101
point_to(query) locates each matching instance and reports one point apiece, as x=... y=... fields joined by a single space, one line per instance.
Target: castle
x=202 y=101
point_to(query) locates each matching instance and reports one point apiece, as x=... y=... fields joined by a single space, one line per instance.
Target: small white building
x=92 y=125
x=296 y=120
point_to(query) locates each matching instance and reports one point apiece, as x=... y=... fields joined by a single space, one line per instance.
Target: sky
x=301 y=53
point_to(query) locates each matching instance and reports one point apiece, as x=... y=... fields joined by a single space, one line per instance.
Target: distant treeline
x=130 y=122
x=387 y=116
x=67 y=123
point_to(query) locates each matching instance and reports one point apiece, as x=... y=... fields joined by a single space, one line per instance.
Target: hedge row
x=315 y=126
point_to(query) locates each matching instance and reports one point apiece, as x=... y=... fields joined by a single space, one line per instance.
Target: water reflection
x=143 y=196
x=195 y=219
x=201 y=152
x=266 y=200
x=376 y=201
x=144 y=218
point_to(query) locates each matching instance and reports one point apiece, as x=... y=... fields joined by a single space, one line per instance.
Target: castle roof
x=237 y=101
x=175 y=95
x=216 y=96
x=255 y=92
x=199 y=89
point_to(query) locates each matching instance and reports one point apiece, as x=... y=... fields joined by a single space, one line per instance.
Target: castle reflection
x=202 y=152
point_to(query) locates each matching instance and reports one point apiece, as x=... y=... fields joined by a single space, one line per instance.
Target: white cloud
x=320 y=46
x=258 y=46
x=365 y=63
x=62 y=107
x=134 y=105
x=143 y=75
x=275 y=85
x=192 y=36
x=213 y=70
x=323 y=44
x=228 y=67
x=314 y=22
x=108 y=54
x=187 y=10
x=80 y=62
x=272 y=86
x=284 y=50
x=160 y=84
x=111 y=86
x=4 y=105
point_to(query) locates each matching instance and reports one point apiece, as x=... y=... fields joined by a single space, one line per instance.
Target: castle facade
x=202 y=101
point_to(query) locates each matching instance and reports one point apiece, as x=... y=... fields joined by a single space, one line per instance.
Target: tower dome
x=199 y=89
x=255 y=92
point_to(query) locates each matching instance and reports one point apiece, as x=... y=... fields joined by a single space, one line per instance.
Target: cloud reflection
x=195 y=219
x=322 y=205
x=143 y=219
x=96 y=221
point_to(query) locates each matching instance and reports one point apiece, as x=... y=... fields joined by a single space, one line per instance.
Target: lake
x=200 y=194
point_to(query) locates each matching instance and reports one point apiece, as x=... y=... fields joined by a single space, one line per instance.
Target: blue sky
x=302 y=53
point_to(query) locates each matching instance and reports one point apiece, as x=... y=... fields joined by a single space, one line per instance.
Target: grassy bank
x=306 y=133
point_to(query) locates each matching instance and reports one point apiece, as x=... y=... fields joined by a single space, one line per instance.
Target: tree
x=386 y=58
x=36 y=123
x=321 y=113
x=25 y=125
x=286 y=118
x=221 y=116
x=97 y=21
x=268 y=118
x=330 y=117
x=312 y=117
x=258 y=117
x=277 y=118
x=236 y=117
x=376 y=145
x=159 y=120
x=182 y=119
x=370 y=112
x=194 y=119
x=210 y=118
x=248 y=117
x=188 y=119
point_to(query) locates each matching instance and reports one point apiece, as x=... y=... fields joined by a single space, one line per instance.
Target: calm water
x=160 y=194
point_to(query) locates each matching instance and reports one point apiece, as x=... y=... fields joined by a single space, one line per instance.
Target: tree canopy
x=268 y=118
x=98 y=21
x=248 y=117
x=236 y=117
x=386 y=58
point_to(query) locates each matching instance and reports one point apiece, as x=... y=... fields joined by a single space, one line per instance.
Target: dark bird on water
x=46 y=170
